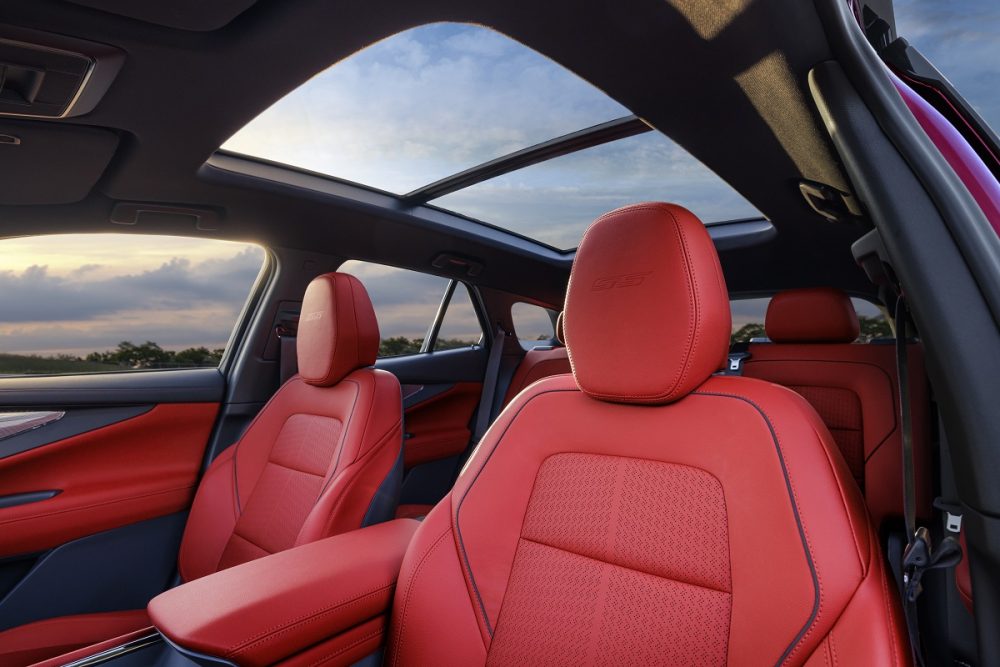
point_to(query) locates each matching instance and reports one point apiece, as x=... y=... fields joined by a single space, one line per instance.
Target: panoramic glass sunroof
x=425 y=105
x=422 y=105
x=555 y=201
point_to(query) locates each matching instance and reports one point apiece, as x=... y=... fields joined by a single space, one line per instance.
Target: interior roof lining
x=717 y=123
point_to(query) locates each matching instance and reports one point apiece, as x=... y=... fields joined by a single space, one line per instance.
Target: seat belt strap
x=288 y=362
x=906 y=421
x=919 y=556
x=485 y=412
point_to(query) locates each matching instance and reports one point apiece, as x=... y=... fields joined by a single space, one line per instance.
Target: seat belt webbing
x=485 y=412
x=288 y=362
x=919 y=555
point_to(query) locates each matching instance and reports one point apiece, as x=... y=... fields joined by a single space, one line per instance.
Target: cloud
x=422 y=105
x=437 y=99
x=555 y=201
x=38 y=295
x=406 y=302
x=960 y=37
x=78 y=309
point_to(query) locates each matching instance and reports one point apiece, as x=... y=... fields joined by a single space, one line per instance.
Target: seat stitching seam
x=348 y=647
x=298 y=470
x=247 y=539
x=843 y=503
x=626 y=567
x=275 y=630
x=806 y=629
x=471 y=579
x=93 y=505
x=692 y=289
x=409 y=590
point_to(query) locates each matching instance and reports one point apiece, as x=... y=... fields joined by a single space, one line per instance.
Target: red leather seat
x=319 y=459
x=644 y=510
x=852 y=386
x=538 y=363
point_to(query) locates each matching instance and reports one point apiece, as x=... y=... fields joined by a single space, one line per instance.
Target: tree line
x=151 y=355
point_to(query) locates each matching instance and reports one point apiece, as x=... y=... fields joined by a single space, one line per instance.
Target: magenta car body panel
x=969 y=167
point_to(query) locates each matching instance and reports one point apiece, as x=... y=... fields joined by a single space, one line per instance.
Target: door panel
x=93 y=503
x=438 y=427
x=141 y=467
x=441 y=392
x=113 y=570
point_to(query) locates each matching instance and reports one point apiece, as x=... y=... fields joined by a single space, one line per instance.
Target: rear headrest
x=811 y=315
x=647 y=313
x=560 y=336
x=337 y=332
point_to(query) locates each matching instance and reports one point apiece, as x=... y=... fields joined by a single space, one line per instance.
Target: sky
x=407 y=111
x=962 y=39
x=75 y=293
x=434 y=100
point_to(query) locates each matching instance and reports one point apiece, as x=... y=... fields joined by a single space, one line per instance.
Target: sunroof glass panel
x=554 y=201
x=422 y=105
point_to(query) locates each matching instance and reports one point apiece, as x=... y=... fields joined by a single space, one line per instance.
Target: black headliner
x=181 y=93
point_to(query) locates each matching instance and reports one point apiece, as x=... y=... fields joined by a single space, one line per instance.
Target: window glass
x=406 y=303
x=532 y=324
x=748 y=320
x=422 y=105
x=960 y=39
x=460 y=326
x=555 y=201
x=435 y=100
x=79 y=303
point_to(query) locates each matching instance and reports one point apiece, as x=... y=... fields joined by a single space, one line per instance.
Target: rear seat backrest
x=852 y=386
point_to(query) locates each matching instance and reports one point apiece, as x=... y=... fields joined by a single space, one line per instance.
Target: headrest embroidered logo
x=626 y=280
x=311 y=317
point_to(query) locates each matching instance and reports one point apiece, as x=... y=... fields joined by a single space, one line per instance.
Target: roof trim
x=620 y=128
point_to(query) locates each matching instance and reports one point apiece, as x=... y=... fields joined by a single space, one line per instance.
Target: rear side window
x=87 y=303
x=748 y=320
x=407 y=304
x=532 y=324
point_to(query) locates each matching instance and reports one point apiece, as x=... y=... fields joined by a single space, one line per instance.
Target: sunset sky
x=405 y=112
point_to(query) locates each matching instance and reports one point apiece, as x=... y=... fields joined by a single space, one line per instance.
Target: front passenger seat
x=324 y=456
x=645 y=510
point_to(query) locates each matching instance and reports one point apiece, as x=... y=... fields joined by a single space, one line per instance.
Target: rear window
x=532 y=324
x=748 y=320
x=406 y=305
x=87 y=303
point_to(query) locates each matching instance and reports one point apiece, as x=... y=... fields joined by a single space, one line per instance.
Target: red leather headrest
x=811 y=315
x=337 y=332
x=560 y=336
x=647 y=313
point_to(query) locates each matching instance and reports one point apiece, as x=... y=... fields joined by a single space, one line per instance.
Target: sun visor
x=183 y=14
x=51 y=164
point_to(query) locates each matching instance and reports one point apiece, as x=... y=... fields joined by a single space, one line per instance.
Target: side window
x=406 y=304
x=532 y=324
x=874 y=323
x=460 y=326
x=89 y=303
x=748 y=320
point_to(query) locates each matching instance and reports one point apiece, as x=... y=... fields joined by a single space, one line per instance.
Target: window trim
x=430 y=338
x=239 y=337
